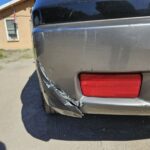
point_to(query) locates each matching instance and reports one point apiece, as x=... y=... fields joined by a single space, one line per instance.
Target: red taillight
x=111 y=85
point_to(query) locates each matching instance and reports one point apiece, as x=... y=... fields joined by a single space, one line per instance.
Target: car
x=93 y=56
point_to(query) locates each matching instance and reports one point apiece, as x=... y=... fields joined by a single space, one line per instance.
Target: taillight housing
x=111 y=85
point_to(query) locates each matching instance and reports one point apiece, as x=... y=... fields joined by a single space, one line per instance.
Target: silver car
x=93 y=56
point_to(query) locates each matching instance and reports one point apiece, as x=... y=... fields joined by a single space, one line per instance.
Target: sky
x=3 y=1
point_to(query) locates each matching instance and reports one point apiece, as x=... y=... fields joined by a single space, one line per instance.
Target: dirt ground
x=25 y=126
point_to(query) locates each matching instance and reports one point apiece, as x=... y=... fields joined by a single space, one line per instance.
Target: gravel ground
x=25 y=126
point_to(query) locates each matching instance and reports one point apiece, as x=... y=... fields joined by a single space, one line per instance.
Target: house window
x=11 y=30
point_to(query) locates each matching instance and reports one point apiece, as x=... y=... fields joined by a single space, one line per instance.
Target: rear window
x=84 y=10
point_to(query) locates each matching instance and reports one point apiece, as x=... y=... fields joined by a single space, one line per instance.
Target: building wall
x=23 y=17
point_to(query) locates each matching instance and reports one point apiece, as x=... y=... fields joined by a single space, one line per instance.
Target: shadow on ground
x=2 y=146
x=91 y=127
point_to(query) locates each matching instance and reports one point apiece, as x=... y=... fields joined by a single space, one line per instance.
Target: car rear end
x=93 y=56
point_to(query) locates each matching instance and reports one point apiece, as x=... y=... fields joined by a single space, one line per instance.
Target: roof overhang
x=10 y=4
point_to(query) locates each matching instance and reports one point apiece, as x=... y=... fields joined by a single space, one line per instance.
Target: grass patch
x=3 y=54
x=15 y=55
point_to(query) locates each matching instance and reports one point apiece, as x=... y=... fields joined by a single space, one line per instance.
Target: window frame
x=6 y=29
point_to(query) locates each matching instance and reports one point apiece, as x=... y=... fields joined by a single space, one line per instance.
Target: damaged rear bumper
x=63 y=104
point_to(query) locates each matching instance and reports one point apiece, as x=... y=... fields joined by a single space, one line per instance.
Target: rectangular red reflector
x=111 y=85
